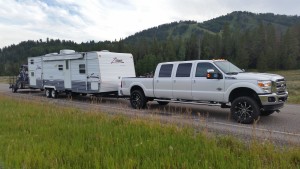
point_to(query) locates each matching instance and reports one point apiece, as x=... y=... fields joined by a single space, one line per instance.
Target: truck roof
x=189 y=61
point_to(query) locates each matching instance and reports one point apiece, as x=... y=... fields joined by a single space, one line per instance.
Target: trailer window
x=82 y=68
x=165 y=70
x=184 y=70
x=32 y=74
x=60 y=67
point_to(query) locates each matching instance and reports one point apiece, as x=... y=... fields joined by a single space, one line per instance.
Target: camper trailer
x=71 y=72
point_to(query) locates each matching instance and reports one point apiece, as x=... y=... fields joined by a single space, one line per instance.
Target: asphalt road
x=282 y=128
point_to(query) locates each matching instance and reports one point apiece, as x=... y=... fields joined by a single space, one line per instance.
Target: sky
x=100 y=20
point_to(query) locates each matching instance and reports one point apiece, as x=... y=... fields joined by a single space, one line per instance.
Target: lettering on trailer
x=116 y=60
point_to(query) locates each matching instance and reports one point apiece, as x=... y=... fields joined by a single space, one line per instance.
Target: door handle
x=157 y=81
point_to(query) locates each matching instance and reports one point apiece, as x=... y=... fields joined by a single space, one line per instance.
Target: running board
x=189 y=102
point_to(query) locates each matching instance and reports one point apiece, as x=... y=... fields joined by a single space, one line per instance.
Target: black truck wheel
x=138 y=99
x=245 y=110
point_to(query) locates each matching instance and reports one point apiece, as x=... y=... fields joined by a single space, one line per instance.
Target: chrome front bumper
x=273 y=101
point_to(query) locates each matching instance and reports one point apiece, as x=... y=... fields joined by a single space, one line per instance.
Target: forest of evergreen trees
x=263 y=47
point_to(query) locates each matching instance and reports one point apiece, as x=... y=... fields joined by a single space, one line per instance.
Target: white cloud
x=81 y=20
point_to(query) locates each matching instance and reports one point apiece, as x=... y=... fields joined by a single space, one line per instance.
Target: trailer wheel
x=138 y=99
x=54 y=93
x=245 y=110
x=48 y=93
x=162 y=103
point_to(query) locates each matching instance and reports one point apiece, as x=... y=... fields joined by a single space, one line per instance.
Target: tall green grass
x=40 y=135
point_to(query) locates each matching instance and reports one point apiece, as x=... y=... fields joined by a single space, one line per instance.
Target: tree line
x=263 y=48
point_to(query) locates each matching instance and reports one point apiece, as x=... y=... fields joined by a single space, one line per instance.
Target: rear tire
x=245 y=110
x=162 y=103
x=267 y=112
x=54 y=93
x=138 y=99
x=48 y=93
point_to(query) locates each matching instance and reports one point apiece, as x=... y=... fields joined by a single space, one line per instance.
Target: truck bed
x=145 y=83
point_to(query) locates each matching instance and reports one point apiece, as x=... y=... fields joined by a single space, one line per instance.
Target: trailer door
x=67 y=74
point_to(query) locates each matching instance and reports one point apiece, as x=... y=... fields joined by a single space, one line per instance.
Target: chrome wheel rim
x=136 y=100
x=243 y=111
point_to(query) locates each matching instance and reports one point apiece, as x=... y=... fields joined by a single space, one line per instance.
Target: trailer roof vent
x=104 y=50
x=50 y=54
x=66 y=51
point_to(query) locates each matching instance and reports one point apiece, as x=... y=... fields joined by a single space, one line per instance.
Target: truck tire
x=245 y=110
x=48 y=93
x=162 y=103
x=266 y=112
x=138 y=99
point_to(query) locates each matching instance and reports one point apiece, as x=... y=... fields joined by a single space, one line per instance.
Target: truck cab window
x=201 y=69
x=184 y=70
x=165 y=70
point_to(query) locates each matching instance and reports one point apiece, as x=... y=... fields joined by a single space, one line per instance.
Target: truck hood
x=256 y=76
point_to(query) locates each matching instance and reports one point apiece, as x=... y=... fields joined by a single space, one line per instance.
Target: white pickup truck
x=213 y=82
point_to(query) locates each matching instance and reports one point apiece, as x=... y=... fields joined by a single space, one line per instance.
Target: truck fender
x=248 y=85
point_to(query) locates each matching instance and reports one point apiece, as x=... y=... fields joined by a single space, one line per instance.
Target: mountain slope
x=236 y=20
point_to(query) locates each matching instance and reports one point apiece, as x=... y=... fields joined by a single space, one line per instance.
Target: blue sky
x=99 y=20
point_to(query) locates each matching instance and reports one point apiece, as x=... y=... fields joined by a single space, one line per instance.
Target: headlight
x=266 y=85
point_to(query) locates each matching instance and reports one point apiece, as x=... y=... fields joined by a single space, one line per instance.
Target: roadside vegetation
x=42 y=135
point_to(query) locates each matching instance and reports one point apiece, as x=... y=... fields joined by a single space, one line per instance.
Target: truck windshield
x=228 y=67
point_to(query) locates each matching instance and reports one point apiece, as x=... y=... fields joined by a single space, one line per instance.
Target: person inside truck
x=202 y=68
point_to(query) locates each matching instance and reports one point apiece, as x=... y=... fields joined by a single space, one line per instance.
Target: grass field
x=41 y=135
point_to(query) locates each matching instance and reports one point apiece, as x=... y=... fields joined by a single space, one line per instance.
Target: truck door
x=163 y=81
x=204 y=89
x=182 y=82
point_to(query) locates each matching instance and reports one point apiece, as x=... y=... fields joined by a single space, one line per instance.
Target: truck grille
x=280 y=86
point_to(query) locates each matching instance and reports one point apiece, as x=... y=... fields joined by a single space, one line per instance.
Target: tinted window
x=165 y=70
x=184 y=70
x=82 y=68
x=201 y=69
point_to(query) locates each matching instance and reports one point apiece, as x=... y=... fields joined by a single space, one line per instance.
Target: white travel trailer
x=98 y=72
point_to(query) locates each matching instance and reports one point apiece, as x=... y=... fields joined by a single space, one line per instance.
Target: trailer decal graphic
x=116 y=60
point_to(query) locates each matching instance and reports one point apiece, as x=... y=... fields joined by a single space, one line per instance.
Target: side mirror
x=214 y=75
x=210 y=71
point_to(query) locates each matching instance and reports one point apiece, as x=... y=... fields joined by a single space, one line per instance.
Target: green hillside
x=237 y=21
x=251 y=41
